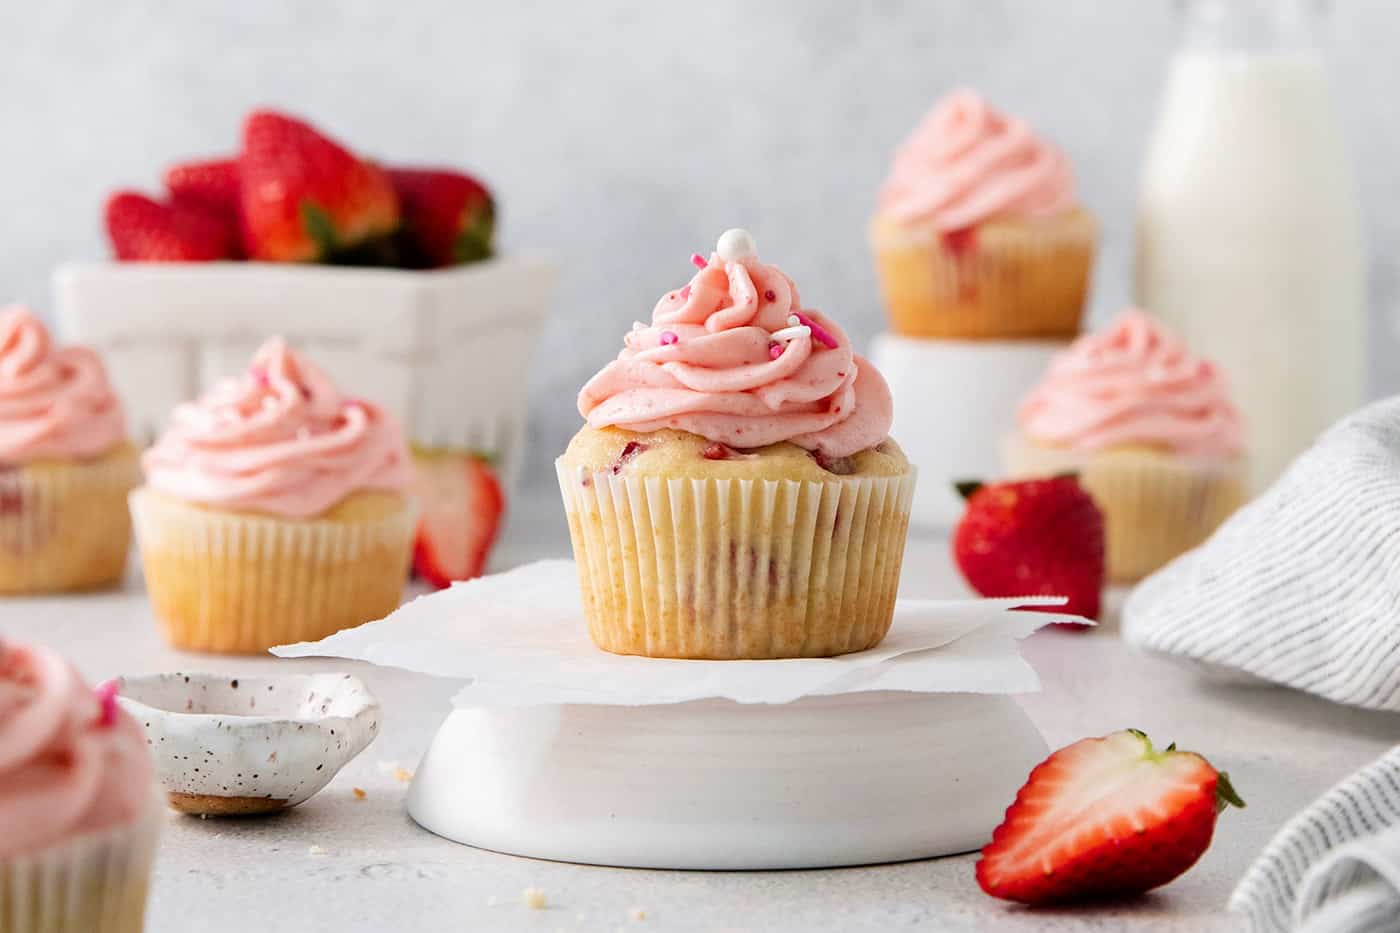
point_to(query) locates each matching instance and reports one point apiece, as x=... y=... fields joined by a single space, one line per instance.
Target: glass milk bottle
x=1248 y=239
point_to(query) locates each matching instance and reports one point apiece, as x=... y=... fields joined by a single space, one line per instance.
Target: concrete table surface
x=340 y=863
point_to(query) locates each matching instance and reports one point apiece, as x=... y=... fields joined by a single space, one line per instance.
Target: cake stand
x=819 y=782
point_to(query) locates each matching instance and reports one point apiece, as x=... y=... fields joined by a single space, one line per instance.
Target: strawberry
x=448 y=217
x=1106 y=817
x=1041 y=537
x=306 y=198
x=462 y=506
x=141 y=228
x=211 y=183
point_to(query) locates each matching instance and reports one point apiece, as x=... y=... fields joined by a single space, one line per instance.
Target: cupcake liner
x=728 y=569
x=237 y=583
x=95 y=883
x=1156 y=505
x=1012 y=279
x=64 y=525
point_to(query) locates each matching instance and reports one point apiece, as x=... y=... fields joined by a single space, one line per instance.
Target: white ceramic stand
x=712 y=784
x=955 y=404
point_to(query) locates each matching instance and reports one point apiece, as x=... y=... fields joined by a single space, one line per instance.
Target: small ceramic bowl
x=247 y=745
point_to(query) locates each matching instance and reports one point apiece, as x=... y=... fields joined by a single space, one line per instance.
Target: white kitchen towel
x=1302 y=586
x=1335 y=867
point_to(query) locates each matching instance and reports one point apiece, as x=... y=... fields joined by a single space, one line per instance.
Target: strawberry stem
x=1225 y=795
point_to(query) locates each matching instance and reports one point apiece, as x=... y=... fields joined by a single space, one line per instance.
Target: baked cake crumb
x=359 y=793
x=403 y=775
x=637 y=913
x=316 y=850
x=534 y=898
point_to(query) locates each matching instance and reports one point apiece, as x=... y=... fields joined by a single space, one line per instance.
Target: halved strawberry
x=1105 y=817
x=144 y=229
x=462 y=506
x=305 y=197
x=448 y=217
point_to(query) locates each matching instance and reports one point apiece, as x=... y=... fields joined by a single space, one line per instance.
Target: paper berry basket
x=448 y=351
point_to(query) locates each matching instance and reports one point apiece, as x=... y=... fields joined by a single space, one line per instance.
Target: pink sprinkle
x=822 y=335
x=259 y=376
x=106 y=693
x=685 y=293
x=667 y=338
x=769 y=295
x=774 y=351
x=699 y=260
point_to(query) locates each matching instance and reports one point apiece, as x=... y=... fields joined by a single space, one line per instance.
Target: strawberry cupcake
x=65 y=464
x=735 y=493
x=978 y=232
x=274 y=511
x=79 y=802
x=1152 y=432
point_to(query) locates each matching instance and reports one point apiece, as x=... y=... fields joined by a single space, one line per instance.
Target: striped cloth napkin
x=1335 y=867
x=1302 y=586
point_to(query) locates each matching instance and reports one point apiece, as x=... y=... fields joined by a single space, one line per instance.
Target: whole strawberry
x=1106 y=817
x=448 y=217
x=210 y=186
x=143 y=229
x=1040 y=537
x=306 y=198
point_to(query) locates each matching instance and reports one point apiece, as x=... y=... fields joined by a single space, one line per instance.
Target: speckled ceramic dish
x=246 y=745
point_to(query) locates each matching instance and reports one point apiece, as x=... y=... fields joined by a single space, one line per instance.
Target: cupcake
x=978 y=233
x=1150 y=430
x=735 y=493
x=65 y=464
x=79 y=805
x=274 y=511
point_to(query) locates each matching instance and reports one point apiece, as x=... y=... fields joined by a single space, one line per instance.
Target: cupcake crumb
x=359 y=793
x=403 y=775
x=637 y=914
x=316 y=850
x=534 y=898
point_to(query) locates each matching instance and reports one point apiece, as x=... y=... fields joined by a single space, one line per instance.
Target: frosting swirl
x=55 y=402
x=279 y=439
x=967 y=162
x=1134 y=383
x=69 y=764
x=734 y=357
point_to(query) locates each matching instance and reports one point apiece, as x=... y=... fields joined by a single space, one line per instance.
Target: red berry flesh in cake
x=448 y=217
x=305 y=197
x=143 y=229
x=462 y=507
x=1040 y=537
x=1106 y=817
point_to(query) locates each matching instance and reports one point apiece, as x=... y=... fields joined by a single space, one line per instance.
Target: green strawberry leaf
x=317 y=224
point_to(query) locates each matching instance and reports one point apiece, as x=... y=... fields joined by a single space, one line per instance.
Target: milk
x=1249 y=240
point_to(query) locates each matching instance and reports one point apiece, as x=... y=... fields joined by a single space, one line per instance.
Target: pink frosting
x=67 y=765
x=55 y=402
x=721 y=359
x=280 y=439
x=1134 y=383
x=967 y=163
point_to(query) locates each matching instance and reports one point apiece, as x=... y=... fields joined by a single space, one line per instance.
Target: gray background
x=622 y=136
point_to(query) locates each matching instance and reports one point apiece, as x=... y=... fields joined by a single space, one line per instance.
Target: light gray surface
x=379 y=872
x=622 y=136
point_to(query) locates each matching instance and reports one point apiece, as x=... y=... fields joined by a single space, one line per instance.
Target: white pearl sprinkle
x=792 y=333
x=735 y=245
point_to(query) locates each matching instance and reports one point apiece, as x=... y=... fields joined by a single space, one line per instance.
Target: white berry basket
x=448 y=351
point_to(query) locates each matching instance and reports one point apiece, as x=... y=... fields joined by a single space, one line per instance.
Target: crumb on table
x=637 y=913
x=403 y=775
x=534 y=898
x=316 y=850
x=359 y=793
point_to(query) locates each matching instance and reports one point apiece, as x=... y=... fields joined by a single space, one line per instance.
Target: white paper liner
x=92 y=884
x=521 y=639
x=723 y=569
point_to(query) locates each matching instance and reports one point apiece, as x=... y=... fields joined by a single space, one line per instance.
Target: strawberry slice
x=305 y=197
x=448 y=217
x=143 y=229
x=1106 y=817
x=462 y=506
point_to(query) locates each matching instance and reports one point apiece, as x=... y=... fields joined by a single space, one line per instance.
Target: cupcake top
x=71 y=762
x=968 y=162
x=55 y=402
x=279 y=439
x=1134 y=383
x=734 y=357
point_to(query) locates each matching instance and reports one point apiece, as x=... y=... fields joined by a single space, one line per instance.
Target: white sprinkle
x=735 y=245
x=794 y=320
x=534 y=898
x=792 y=333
